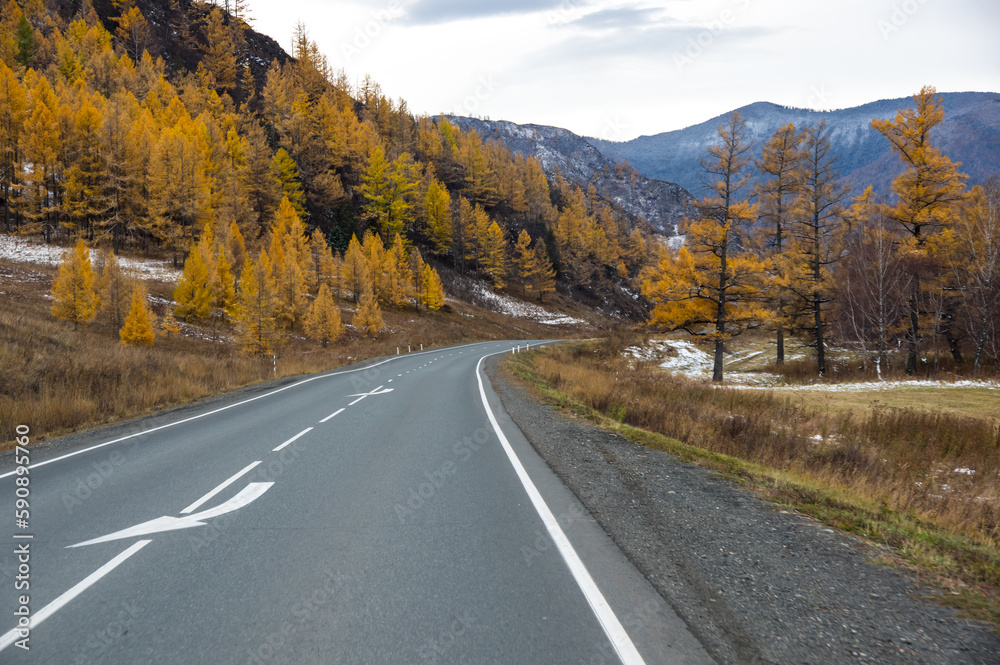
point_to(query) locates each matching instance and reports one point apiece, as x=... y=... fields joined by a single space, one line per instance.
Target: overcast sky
x=617 y=69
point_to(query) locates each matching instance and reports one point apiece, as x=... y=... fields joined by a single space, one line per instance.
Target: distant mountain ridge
x=662 y=204
x=969 y=134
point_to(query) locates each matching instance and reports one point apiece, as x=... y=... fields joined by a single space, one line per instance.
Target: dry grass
x=56 y=379
x=889 y=474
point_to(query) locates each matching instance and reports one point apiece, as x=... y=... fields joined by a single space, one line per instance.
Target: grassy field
x=898 y=477
x=55 y=379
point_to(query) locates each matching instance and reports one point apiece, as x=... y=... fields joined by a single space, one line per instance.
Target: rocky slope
x=660 y=203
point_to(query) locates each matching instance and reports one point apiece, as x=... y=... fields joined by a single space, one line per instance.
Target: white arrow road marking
x=41 y=615
x=167 y=523
x=377 y=391
x=232 y=479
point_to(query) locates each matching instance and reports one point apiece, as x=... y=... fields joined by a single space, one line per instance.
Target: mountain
x=969 y=134
x=660 y=203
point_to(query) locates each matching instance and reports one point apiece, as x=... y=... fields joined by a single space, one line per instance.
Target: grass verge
x=951 y=542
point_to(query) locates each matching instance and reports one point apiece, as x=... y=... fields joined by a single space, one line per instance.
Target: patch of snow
x=24 y=250
x=877 y=386
x=968 y=472
x=518 y=308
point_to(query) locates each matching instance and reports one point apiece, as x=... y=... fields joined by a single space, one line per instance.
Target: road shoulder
x=753 y=582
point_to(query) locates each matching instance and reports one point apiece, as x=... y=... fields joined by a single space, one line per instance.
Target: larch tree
x=438 y=206
x=257 y=303
x=432 y=293
x=974 y=259
x=323 y=321
x=73 y=288
x=542 y=272
x=779 y=164
x=713 y=285
x=523 y=261
x=115 y=288
x=494 y=260
x=220 y=58
x=355 y=270
x=13 y=104
x=368 y=316
x=928 y=192
x=194 y=294
x=818 y=232
x=138 y=327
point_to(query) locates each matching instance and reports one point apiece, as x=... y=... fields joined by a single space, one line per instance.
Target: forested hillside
x=160 y=127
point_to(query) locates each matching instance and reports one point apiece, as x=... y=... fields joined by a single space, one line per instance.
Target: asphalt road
x=388 y=514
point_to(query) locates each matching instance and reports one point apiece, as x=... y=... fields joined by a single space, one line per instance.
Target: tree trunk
x=720 y=349
x=914 y=336
x=818 y=322
x=781 y=347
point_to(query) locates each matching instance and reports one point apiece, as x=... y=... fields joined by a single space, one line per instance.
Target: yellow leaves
x=931 y=185
x=323 y=321
x=257 y=303
x=138 y=328
x=432 y=292
x=193 y=295
x=73 y=288
x=495 y=255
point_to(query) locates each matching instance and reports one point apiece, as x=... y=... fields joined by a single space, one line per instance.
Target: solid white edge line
x=219 y=410
x=333 y=415
x=224 y=485
x=613 y=628
x=38 y=617
x=300 y=434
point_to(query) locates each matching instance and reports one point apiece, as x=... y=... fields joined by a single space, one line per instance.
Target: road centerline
x=333 y=415
x=293 y=439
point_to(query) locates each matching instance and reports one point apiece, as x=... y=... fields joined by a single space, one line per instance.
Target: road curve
x=385 y=513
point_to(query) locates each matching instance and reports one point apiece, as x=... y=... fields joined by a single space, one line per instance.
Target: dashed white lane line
x=38 y=617
x=194 y=506
x=333 y=415
x=302 y=433
x=391 y=380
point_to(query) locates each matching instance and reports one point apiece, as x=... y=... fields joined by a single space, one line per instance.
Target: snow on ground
x=676 y=356
x=876 y=386
x=24 y=250
x=520 y=309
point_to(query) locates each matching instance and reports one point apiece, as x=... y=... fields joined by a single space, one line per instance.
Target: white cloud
x=645 y=67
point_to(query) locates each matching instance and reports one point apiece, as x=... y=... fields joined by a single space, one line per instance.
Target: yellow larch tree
x=524 y=258
x=432 y=292
x=368 y=316
x=495 y=255
x=73 y=288
x=257 y=303
x=115 y=288
x=929 y=192
x=713 y=285
x=542 y=273
x=779 y=164
x=194 y=294
x=354 y=272
x=438 y=206
x=323 y=321
x=138 y=328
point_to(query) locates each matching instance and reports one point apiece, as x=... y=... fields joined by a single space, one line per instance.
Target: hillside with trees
x=780 y=244
x=151 y=128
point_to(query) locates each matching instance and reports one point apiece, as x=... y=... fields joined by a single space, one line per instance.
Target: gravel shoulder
x=754 y=583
